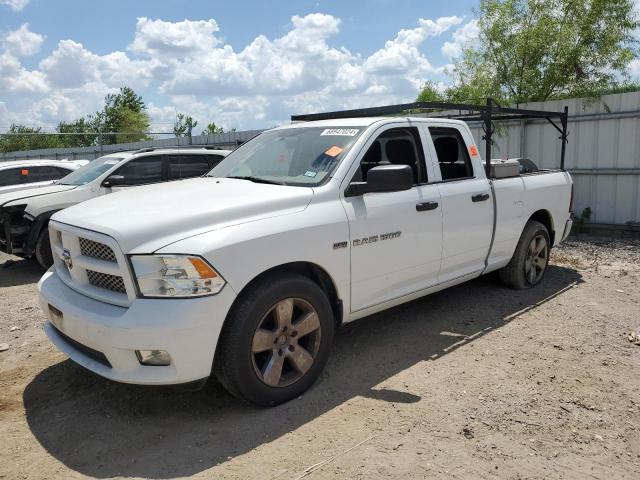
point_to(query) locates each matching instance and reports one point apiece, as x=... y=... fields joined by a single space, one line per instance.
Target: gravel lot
x=475 y=382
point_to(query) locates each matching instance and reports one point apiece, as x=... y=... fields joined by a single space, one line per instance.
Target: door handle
x=480 y=197
x=422 y=207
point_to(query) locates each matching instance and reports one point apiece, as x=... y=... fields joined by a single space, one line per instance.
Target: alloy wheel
x=286 y=342
x=536 y=260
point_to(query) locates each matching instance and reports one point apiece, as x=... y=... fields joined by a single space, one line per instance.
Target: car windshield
x=90 y=171
x=299 y=156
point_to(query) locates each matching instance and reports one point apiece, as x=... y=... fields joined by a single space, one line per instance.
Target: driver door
x=395 y=237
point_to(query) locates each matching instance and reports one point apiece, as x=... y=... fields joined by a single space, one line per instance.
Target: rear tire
x=276 y=340
x=531 y=258
x=43 y=249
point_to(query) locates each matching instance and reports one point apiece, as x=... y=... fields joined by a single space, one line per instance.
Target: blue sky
x=241 y=64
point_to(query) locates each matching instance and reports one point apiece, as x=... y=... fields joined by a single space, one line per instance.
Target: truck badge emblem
x=66 y=258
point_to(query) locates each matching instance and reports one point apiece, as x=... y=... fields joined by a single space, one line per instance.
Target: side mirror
x=383 y=178
x=114 y=181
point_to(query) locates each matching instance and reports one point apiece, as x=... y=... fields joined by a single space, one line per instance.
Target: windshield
x=303 y=156
x=90 y=171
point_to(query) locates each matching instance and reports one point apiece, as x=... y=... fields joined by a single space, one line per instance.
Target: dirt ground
x=474 y=382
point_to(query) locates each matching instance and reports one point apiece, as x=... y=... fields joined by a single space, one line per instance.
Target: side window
x=10 y=176
x=452 y=153
x=214 y=160
x=40 y=174
x=142 y=170
x=187 y=166
x=397 y=146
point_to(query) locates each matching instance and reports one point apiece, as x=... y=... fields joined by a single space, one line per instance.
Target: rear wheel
x=529 y=262
x=43 y=249
x=276 y=340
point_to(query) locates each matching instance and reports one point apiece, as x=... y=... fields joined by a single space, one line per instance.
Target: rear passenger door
x=190 y=165
x=467 y=205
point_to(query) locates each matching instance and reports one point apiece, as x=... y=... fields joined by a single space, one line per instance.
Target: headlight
x=175 y=276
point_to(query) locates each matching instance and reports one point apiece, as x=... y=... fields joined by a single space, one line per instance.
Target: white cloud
x=157 y=37
x=634 y=69
x=23 y=42
x=402 y=54
x=461 y=38
x=15 y=5
x=15 y=78
x=185 y=66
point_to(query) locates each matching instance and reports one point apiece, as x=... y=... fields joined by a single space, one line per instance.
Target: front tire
x=276 y=340
x=529 y=262
x=43 y=249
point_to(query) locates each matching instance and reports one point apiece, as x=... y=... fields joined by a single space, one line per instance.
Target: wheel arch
x=313 y=272
x=39 y=223
x=545 y=218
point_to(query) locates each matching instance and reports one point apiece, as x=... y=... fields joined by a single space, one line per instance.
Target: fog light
x=158 y=358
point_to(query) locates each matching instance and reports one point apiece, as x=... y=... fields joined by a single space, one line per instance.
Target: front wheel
x=276 y=340
x=529 y=262
x=43 y=249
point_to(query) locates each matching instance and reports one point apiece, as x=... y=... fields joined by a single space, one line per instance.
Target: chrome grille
x=106 y=281
x=98 y=250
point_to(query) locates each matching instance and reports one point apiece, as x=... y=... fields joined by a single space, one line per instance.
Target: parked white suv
x=247 y=272
x=24 y=215
x=22 y=174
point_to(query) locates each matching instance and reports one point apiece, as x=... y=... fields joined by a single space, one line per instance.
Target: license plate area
x=57 y=317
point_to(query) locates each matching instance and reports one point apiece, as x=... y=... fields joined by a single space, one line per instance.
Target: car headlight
x=175 y=276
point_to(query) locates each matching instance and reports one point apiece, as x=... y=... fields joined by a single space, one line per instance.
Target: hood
x=15 y=196
x=147 y=218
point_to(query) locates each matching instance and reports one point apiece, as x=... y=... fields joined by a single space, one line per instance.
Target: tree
x=212 y=128
x=184 y=125
x=532 y=50
x=84 y=130
x=124 y=113
x=20 y=137
x=430 y=93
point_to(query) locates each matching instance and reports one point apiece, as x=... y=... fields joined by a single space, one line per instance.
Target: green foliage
x=20 y=137
x=213 y=128
x=531 y=50
x=125 y=113
x=429 y=93
x=184 y=125
x=79 y=126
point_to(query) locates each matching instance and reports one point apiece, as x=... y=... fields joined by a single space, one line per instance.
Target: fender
x=40 y=222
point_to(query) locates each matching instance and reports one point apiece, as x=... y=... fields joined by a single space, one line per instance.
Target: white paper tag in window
x=341 y=132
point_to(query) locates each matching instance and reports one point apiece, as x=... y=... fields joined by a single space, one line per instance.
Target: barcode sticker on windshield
x=111 y=162
x=342 y=132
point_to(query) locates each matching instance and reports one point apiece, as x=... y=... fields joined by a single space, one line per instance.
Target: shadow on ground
x=104 y=429
x=19 y=272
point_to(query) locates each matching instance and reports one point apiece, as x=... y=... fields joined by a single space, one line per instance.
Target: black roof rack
x=487 y=113
x=186 y=147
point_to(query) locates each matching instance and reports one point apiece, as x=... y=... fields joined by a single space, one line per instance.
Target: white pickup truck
x=246 y=273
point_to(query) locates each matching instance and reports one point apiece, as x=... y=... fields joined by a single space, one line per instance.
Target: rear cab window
x=451 y=153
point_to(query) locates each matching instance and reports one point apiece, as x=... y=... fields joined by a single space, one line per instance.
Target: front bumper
x=91 y=332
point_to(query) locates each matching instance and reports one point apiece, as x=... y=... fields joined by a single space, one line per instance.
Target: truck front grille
x=97 y=250
x=92 y=264
x=106 y=281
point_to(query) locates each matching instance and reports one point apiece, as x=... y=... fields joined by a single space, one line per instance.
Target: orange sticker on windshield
x=24 y=172
x=333 y=151
x=473 y=150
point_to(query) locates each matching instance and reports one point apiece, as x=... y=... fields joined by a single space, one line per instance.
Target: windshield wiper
x=258 y=180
